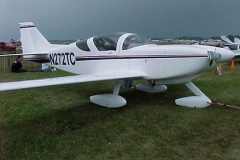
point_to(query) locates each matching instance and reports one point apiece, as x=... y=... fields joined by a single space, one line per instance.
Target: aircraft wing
x=68 y=80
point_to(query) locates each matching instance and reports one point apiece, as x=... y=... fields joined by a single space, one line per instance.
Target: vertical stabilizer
x=32 y=40
x=236 y=40
x=225 y=39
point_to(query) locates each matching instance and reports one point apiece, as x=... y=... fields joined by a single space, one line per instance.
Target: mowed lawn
x=60 y=122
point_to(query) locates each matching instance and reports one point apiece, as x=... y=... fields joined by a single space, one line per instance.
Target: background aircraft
x=7 y=47
x=226 y=41
x=236 y=40
x=118 y=57
x=234 y=46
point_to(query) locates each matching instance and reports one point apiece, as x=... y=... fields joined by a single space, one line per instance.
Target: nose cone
x=226 y=54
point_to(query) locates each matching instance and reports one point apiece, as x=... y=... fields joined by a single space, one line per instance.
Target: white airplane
x=118 y=57
x=234 y=46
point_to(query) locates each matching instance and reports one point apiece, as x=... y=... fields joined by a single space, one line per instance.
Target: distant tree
x=197 y=38
x=215 y=37
x=185 y=38
x=155 y=38
x=190 y=38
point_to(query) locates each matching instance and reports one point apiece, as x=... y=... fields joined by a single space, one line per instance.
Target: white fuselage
x=156 y=62
x=165 y=63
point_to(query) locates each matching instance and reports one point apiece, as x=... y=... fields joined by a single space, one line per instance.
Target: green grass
x=60 y=122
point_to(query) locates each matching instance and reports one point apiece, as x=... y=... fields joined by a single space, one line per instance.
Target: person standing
x=128 y=83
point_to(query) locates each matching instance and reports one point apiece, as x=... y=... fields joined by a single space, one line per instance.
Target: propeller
x=213 y=56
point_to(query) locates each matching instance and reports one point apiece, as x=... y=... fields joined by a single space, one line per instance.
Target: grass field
x=60 y=122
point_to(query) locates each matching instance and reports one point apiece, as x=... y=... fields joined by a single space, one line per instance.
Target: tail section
x=32 y=40
x=225 y=39
x=236 y=40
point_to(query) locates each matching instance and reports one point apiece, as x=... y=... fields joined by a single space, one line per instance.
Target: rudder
x=32 y=40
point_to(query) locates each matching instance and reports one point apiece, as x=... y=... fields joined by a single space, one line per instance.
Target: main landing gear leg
x=198 y=101
x=117 y=86
x=151 y=83
x=110 y=100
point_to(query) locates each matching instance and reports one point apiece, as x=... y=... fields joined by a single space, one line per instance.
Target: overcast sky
x=80 y=19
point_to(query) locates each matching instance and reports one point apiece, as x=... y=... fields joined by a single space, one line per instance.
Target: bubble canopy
x=111 y=41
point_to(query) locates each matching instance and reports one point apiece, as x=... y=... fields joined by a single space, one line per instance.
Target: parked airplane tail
x=34 y=43
x=32 y=40
x=236 y=40
x=225 y=39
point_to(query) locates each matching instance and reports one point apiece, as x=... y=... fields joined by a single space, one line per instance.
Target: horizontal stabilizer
x=23 y=54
